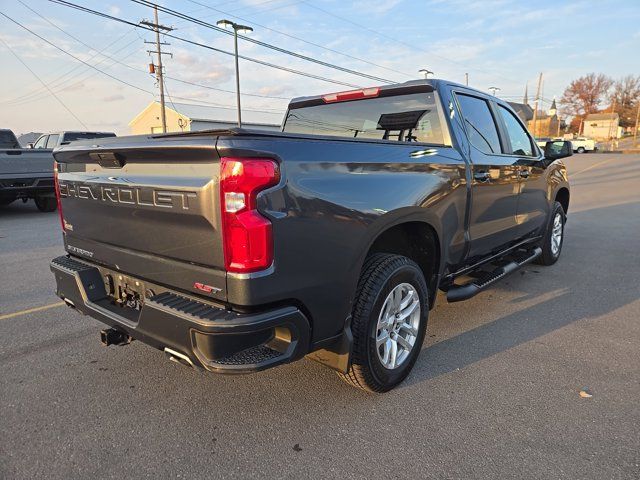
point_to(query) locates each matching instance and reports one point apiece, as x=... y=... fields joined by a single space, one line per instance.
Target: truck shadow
x=573 y=290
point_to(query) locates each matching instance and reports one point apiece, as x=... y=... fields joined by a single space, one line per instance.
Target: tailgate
x=148 y=207
x=26 y=162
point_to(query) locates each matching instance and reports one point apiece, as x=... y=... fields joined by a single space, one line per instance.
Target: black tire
x=580 y=150
x=46 y=204
x=6 y=201
x=549 y=256
x=382 y=273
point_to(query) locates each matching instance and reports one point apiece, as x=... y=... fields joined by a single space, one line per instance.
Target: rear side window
x=406 y=118
x=520 y=141
x=481 y=127
x=53 y=141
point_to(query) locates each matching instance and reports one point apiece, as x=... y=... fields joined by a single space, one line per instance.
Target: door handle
x=524 y=173
x=482 y=176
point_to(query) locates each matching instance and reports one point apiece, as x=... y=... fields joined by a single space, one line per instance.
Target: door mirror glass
x=558 y=149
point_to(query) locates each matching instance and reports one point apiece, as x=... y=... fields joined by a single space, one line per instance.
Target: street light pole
x=236 y=28
x=235 y=44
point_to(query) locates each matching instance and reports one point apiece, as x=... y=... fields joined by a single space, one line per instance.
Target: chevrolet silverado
x=238 y=250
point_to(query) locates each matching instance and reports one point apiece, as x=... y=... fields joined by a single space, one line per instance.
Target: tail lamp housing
x=247 y=234
x=57 y=189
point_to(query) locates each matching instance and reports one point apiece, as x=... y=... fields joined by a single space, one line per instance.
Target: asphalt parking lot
x=495 y=393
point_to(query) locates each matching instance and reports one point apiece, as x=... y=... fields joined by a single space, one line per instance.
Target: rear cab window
x=8 y=139
x=411 y=117
x=73 y=136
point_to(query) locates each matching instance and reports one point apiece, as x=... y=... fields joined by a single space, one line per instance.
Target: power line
x=43 y=83
x=130 y=67
x=412 y=46
x=116 y=78
x=263 y=44
x=353 y=57
x=208 y=47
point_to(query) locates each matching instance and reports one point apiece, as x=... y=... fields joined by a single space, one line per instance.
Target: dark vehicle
x=27 y=173
x=238 y=250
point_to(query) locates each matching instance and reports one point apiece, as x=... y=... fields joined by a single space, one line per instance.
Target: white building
x=184 y=117
x=602 y=126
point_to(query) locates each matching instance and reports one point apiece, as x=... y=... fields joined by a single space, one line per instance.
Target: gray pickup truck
x=27 y=173
x=239 y=250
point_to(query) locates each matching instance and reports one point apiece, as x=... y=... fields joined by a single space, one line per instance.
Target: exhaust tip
x=178 y=357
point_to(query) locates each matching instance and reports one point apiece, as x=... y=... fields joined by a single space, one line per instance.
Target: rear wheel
x=6 y=201
x=553 y=237
x=388 y=323
x=46 y=204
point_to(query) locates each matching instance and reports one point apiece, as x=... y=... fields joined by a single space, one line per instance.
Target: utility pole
x=535 y=105
x=466 y=79
x=614 y=134
x=158 y=69
x=635 y=132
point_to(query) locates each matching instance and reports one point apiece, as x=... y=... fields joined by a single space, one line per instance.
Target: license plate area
x=126 y=292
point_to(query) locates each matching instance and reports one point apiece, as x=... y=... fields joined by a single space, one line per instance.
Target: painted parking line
x=6 y=316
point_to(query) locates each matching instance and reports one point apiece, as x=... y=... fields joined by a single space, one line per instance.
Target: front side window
x=481 y=128
x=520 y=141
x=53 y=141
x=405 y=118
x=42 y=142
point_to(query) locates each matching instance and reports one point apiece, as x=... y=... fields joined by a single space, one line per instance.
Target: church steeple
x=553 y=110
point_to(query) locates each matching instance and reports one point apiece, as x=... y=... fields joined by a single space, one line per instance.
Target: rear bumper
x=26 y=187
x=211 y=337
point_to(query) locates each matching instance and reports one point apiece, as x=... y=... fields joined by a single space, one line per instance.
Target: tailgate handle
x=108 y=159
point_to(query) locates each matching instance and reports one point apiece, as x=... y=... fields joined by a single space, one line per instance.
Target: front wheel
x=46 y=204
x=581 y=150
x=388 y=322
x=553 y=237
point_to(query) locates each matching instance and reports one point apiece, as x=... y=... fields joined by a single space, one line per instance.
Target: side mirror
x=29 y=145
x=557 y=149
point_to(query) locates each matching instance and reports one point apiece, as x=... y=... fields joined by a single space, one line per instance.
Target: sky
x=499 y=43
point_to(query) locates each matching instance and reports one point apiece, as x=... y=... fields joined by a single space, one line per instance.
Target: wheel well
x=563 y=197
x=417 y=241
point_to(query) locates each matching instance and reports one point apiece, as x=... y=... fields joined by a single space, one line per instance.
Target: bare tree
x=585 y=95
x=626 y=96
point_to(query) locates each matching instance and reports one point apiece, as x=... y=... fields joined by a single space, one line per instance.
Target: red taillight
x=57 y=188
x=248 y=242
x=351 y=95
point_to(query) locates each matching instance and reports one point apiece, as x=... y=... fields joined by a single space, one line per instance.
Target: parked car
x=28 y=173
x=238 y=250
x=584 y=145
x=53 y=140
